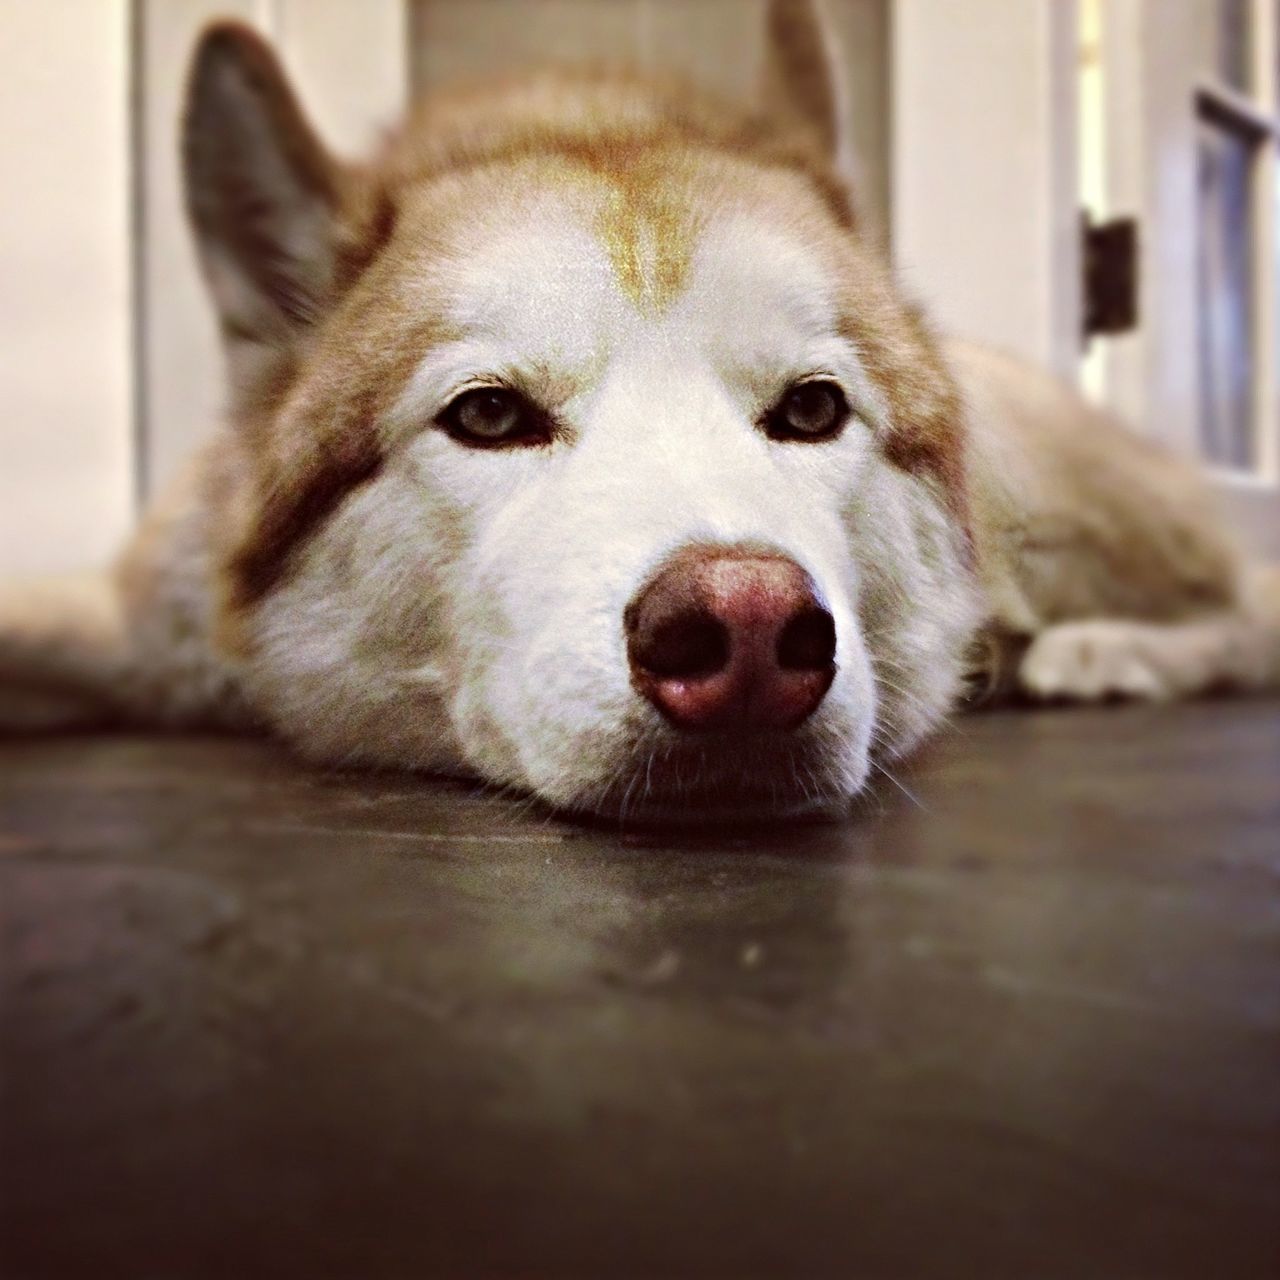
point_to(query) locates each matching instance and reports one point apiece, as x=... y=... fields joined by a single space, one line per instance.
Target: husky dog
x=580 y=442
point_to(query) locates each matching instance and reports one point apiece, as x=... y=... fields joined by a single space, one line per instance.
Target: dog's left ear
x=802 y=78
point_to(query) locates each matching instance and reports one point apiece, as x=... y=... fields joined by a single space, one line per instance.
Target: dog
x=580 y=442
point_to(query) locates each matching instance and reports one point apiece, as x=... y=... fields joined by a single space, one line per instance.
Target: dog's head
x=580 y=442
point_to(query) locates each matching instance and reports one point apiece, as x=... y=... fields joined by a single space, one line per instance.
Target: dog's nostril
x=685 y=647
x=808 y=641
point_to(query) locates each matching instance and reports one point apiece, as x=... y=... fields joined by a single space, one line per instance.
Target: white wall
x=66 y=499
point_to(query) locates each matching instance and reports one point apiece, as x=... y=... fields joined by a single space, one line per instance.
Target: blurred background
x=1091 y=184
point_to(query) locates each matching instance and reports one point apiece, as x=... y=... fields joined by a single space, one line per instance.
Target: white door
x=1181 y=130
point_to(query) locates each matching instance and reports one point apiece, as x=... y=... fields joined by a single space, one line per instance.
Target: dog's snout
x=729 y=638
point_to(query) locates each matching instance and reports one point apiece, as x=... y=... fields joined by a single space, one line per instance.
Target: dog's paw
x=1098 y=661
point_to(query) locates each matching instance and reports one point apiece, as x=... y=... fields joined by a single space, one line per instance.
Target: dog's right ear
x=803 y=80
x=262 y=192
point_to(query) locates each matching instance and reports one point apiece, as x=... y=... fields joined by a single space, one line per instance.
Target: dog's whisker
x=915 y=800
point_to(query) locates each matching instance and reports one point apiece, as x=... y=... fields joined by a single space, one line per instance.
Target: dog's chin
x=721 y=780
x=717 y=809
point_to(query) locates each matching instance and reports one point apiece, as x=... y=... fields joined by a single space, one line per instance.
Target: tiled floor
x=1023 y=1022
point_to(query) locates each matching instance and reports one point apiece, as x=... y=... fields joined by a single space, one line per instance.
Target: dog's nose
x=729 y=638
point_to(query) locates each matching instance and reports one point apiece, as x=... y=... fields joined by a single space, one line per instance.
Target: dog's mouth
x=722 y=779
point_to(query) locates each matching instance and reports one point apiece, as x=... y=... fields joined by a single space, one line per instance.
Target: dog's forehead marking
x=560 y=286
x=648 y=235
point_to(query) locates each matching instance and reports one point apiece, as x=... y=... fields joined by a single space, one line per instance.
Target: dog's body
x=580 y=345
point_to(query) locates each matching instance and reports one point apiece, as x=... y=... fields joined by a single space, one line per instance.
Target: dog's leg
x=1104 y=658
x=81 y=651
x=65 y=657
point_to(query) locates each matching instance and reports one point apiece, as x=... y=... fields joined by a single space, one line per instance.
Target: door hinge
x=1109 y=254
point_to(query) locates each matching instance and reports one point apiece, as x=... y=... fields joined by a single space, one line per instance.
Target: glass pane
x=1225 y=41
x=1225 y=283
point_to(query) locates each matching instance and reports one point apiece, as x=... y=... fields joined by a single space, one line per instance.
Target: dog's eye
x=809 y=411
x=495 y=416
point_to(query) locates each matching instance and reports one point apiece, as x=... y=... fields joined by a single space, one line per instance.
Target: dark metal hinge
x=1110 y=259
